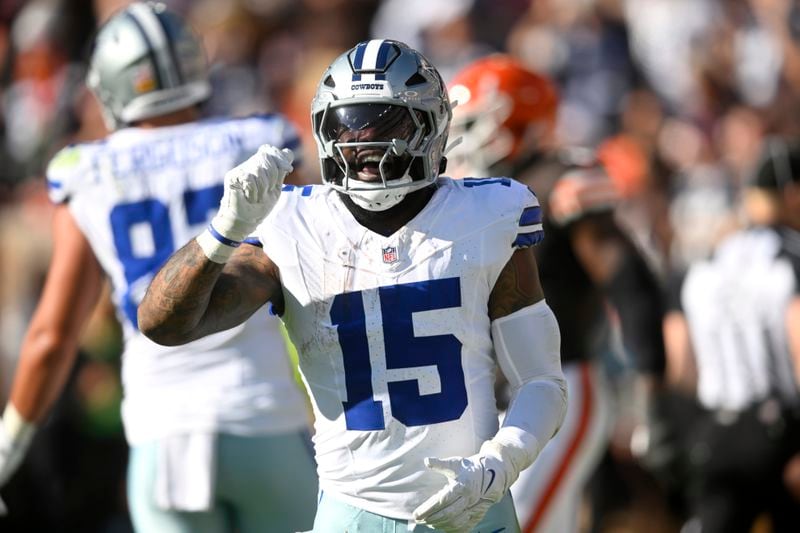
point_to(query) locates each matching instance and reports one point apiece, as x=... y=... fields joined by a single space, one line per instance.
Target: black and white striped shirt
x=735 y=305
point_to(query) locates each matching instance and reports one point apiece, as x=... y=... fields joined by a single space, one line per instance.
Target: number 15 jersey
x=393 y=333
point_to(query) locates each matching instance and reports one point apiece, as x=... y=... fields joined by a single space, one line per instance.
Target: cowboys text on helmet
x=380 y=117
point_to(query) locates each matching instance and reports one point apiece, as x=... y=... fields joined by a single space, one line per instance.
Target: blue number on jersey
x=403 y=350
x=198 y=203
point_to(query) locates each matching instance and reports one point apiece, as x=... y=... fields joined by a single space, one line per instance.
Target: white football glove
x=251 y=191
x=474 y=484
x=16 y=435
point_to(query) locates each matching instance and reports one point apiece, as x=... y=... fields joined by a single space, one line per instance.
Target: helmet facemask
x=371 y=148
x=380 y=118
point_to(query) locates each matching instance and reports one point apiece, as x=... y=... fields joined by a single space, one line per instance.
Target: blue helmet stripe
x=358 y=60
x=380 y=62
x=383 y=53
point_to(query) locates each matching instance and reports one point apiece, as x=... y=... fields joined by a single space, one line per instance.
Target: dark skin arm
x=191 y=296
x=517 y=286
x=73 y=286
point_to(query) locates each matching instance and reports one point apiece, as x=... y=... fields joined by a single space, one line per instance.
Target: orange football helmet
x=503 y=113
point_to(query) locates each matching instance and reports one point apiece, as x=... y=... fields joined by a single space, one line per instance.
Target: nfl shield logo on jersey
x=390 y=255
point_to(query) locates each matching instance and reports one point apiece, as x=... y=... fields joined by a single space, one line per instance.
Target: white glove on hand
x=251 y=191
x=474 y=484
x=15 y=438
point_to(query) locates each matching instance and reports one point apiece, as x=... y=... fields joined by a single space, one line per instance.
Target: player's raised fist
x=251 y=191
x=261 y=175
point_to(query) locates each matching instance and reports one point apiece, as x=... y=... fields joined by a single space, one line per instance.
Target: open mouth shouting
x=367 y=165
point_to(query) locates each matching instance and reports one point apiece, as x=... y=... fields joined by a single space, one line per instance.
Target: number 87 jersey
x=138 y=196
x=393 y=333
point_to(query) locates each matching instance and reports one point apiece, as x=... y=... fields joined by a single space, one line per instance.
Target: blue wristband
x=223 y=239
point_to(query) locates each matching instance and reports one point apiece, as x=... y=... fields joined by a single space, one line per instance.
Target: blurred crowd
x=677 y=94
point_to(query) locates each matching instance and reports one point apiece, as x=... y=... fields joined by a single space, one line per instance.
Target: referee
x=739 y=313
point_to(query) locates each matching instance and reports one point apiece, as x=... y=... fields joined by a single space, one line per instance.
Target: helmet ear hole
x=442 y=165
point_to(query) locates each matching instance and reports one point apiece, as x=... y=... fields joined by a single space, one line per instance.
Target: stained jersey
x=393 y=333
x=138 y=196
x=735 y=305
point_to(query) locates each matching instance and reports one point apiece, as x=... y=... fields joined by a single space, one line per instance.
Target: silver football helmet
x=146 y=62
x=380 y=117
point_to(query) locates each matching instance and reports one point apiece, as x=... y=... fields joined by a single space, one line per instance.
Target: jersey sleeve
x=529 y=226
x=509 y=207
x=63 y=171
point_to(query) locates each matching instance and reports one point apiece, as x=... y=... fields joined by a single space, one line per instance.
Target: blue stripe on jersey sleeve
x=531 y=215
x=305 y=190
x=524 y=240
x=52 y=184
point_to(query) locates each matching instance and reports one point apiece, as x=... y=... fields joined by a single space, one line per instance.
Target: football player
x=506 y=117
x=217 y=426
x=402 y=290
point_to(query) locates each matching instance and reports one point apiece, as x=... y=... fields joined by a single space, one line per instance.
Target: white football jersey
x=735 y=305
x=138 y=196
x=393 y=332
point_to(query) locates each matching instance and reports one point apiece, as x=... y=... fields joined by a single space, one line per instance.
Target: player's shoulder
x=499 y=193
x=500 y=201
x=300 y=200
x=69 y=166
x=262 y=128
x=298 y=207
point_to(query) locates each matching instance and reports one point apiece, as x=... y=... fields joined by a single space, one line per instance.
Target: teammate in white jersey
x=403 y=292
x=217 y=426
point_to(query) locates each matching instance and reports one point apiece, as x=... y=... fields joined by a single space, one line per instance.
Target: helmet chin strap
x=380 y=199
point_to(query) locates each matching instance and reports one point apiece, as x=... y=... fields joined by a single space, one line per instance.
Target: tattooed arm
x=192 y=296
x=517 y=286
